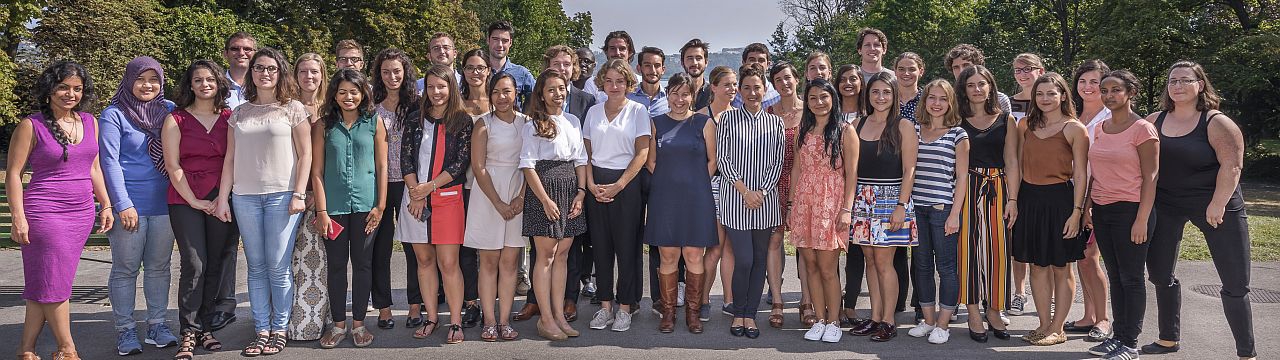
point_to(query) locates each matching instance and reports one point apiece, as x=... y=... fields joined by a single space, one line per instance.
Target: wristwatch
x=300 y=196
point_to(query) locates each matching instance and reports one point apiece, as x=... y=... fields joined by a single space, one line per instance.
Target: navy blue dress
x=681 y=210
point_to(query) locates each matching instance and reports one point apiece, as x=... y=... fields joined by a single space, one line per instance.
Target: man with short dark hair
x=238 y=50
x=651 y=67
x=758 y=53
x=872 y=45
x=617 y=45
x=586 y=67
x=441 y=51
x=693 y=58
x=498 y=36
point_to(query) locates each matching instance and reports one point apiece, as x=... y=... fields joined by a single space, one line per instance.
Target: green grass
x=1272 y=145
x=1264 y=237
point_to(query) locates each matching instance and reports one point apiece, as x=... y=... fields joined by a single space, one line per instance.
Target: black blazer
x=579 y=102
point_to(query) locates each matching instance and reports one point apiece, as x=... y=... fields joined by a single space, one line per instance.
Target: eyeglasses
x=441 y=48
x=266 y=69
x=475 y=69
x=350 y=59
x=1182 y=82
x=1025 y=70
x=241 y=49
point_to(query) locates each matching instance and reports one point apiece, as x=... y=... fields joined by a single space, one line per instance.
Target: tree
x=102 y=35
x=16 y=14
x=196 y=32
x=9 y=111
x=580 y=30
x=539 y=24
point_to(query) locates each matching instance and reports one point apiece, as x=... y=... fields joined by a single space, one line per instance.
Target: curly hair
x=408 y=91
x=48 y=83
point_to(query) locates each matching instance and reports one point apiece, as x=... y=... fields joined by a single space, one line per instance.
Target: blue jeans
x=149 y=248
x=935 y=248
x=267 y=231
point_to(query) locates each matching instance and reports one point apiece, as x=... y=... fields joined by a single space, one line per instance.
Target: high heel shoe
x=978 y=336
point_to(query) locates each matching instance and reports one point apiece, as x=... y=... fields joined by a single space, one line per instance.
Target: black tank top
x=878 y=167
x=1189 y=169
x=986 y=146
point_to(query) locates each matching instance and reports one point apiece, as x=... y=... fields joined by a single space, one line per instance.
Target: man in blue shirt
x=650 y=93
x=498 y=37
x=238 y=50
x=758 y=53
x=442 y=52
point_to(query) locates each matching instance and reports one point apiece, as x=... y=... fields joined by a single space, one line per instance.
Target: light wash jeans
x=148 y=249
x=267 y=231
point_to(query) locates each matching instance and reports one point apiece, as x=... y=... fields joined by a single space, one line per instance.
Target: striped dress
x=984 y=239
x=749 y=147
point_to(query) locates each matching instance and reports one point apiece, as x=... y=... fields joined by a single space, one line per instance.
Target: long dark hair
x=330 y=111
x=833 y=130
x=465 y=87
x=408 y=91
x=493 y=84
x=454 y=117
x=852 y=70
x=992 y=105
x=543 y=126
x=286 y=86
x=185 y=96
x=890 y=138
x=47 y=83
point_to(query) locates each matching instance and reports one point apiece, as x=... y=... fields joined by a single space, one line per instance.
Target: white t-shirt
x=613 y=143
x=565 y=146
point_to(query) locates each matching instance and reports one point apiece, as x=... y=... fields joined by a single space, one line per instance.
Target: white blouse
x=567 y=145
x=613 y=142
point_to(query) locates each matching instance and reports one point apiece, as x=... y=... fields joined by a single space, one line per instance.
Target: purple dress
x=60 y=211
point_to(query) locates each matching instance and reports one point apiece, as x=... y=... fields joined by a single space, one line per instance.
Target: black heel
x=978 y=336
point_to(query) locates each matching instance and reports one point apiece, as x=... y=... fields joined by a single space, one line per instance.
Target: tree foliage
x=102 y=35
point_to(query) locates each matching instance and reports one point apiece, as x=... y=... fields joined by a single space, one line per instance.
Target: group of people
x=317 y=173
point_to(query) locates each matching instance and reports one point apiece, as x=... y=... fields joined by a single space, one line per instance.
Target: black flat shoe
x=978 y=336
x=412 y=322
x=387 y=324
x=470 y=315
x=864 y=329
x=752 y=333
x=1000 y=334
x=738 y=330
x=220 y=320
x=1071 y=327
x=1156 y=348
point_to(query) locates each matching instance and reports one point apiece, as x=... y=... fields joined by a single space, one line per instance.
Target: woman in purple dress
x=52 y=217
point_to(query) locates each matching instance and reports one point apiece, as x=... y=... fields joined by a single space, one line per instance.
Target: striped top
x=749 y=147
x=935 y=181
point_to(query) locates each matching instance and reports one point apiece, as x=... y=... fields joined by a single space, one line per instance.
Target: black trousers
x=203 y=245
x=751 y=251
x=1126 y=266
x=613 y=227
x=1228 y=245
x=354 y=245
x=383 y=241
x=572 y=284
x=855 y=267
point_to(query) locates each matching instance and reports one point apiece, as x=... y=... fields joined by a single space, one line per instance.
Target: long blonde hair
x=318 y=97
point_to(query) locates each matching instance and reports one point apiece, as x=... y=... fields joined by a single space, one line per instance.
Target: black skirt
x=561 y=184
x=1043 y=211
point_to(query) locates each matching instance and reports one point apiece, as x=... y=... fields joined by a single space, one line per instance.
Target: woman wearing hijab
x=142 y=237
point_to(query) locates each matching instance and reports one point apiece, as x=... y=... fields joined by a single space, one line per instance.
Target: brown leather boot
x=693 y=301
x=668 y=284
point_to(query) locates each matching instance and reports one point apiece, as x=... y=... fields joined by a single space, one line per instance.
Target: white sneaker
x=921 y=330
x=680 y=295
x=603 y=318
x=832 y=333
x=815 y=333
x=939 y=335
x=622 y=322
x=1004 y=318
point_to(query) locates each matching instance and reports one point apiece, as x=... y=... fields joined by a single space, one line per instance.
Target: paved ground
x=1205 y=332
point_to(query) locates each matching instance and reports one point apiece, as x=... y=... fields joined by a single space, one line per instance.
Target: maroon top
x=200 y=153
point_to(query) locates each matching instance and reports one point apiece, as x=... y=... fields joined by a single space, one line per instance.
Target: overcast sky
x=668 y=24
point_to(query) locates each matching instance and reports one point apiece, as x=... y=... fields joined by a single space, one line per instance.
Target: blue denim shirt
x=524 y=81
x=235 y=94
x=657 y=105
x=131 y=177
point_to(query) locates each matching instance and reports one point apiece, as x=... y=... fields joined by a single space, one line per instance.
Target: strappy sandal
x=489 y=333
x=361 y=337
x=425 y=331
x=63 y=355
x=28 y=356
x=209 y=343
x=277 y=343
x=332 y=337
x=454 y=329
x=775 y=319
x=187 y=346
x=507 y=333
x=807 y=315
x=256 y=346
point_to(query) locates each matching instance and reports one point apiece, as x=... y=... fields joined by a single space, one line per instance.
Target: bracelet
x=1013 y=200
x=582 y=189
x=105 y=209
x=846 y=211
x=904 y=206
x=322 y=211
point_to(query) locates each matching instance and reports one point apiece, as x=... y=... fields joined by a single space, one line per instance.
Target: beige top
x=264 y=158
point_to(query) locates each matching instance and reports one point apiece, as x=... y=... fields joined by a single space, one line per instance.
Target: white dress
x=486 y=230
x=408 y=228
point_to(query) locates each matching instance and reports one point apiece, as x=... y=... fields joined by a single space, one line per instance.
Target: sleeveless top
x=350 y=173
x=986 y=146
x=877 y=167
x=1046 y=161
x=1189 y=169
x=200 y=153
x=60 y=184
x=503 y=146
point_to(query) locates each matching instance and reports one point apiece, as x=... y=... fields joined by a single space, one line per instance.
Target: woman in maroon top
x=195 y=142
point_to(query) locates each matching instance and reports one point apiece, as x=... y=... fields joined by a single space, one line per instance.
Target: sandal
x=775 y=319
x=454 y=329
x=332 y=337
x=276 y=344
x=807 y=315
x=28 y=356
x=361 y=337
x=209 y=343
x=507 y=333
x=63 y=355
x=187 y=347
x=256 y=346
x=425 y=331
x=489 y=333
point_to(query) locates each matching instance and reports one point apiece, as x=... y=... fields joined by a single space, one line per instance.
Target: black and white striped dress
x=749 y=147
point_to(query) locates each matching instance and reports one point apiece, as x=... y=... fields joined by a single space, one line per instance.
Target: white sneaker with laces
x=939 y=335
x=622 y=322
x=603 y=318
x=832 y=333
x=815 y=333
x=921 y=330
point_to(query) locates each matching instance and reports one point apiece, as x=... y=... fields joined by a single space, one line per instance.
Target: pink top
x=1116 y=170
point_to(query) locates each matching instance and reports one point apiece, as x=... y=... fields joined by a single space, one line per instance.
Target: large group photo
x=1083 y=179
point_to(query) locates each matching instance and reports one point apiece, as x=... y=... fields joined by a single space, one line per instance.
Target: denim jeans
x=267 y=231
x=1126 y=264
x=148 y=248
x=936 y=248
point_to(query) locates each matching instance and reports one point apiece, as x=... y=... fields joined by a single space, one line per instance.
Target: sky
x=670 y=23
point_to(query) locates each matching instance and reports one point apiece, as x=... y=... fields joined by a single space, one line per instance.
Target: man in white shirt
x=758 y=53
x=238 y=50
x=872 y=45
x=617 y=45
